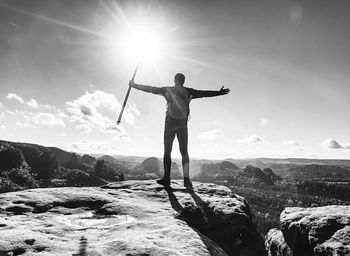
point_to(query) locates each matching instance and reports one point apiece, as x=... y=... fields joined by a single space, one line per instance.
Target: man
x=178 y=99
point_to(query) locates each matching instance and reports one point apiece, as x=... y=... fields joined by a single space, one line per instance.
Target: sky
x=64 y=74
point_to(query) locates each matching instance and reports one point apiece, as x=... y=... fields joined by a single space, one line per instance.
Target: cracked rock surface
x=319 y=231
x=128 y=218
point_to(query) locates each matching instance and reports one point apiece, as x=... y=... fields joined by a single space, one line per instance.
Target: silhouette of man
x=178 y=99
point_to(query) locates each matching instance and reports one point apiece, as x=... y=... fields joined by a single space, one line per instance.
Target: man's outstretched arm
x=201 y=93
x=145 y=88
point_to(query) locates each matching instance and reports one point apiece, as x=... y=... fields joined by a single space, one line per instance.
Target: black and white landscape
x=92 y=94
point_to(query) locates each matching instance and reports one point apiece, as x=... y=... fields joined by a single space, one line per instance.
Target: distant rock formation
x=128 y=218
x=151 y=165
x=318 y=231
x=271 y=174
x=254 y=175
x=229 y=165
x=218 y=170
x=87 y=159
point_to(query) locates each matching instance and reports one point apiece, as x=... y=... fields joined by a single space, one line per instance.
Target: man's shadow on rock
x=195 y=219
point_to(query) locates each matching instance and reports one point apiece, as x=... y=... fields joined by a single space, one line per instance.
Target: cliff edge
x=128 y=218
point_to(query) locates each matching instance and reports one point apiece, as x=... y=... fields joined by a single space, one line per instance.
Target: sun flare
x=142 y=44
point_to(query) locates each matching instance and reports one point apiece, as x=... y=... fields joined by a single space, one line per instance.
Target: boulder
x=319 y=231
x=128 y=218
x=275 y=244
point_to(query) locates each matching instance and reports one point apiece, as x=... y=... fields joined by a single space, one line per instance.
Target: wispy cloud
x=38 y=118
x=251 y=140
x=2 y=126
x=27 y=125
x=334 y=144
x=84 y=128
x=264 y=121
x=211 y=135
x=32 y=103
x=291 y=143
x=47 y=119
x=2 y=114
x=12 y=96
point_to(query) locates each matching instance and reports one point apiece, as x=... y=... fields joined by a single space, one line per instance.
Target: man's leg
x=182 y=137
x=169 y=136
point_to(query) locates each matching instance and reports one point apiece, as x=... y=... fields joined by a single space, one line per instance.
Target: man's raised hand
x=224 y=91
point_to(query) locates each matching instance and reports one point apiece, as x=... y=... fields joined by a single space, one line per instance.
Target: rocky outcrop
x=253 y=175
x=220 y=170
x=319 y=231
x=276 y=245
x=128 y=218
x=269 y=173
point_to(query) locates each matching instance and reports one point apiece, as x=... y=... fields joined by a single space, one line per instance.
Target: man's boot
x=187 y=183
x=164 y=182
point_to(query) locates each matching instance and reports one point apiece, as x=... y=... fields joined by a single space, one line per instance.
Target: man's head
x=179 y=79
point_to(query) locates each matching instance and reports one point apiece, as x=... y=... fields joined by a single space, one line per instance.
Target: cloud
x=334 y=144
x=20 y=124
x=2 y=114
x=48 y=119
x=32 y=103
x=63 y=134
x=264 y=121
x=291 y=143
x=84 y=128
x=39 y=118
x=95 y=110
x=211 y=135
x=251 y=140
x=2 y=126
x=12 y=96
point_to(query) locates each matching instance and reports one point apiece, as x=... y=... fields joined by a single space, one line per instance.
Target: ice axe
x=127 y=96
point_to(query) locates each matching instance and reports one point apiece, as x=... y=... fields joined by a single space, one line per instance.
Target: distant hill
x=316 y=172
x=26 y=165
x=286 y=163
x=218 y=170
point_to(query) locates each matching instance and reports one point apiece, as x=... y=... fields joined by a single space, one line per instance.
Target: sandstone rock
x=276 y=245
x=316 y=231
x=254 y=175
x=128 y=218
x=271 y=174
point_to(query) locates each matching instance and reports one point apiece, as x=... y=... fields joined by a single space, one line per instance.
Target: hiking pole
x=127 y=96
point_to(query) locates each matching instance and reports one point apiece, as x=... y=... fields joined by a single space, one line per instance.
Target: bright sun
x=142 y=44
